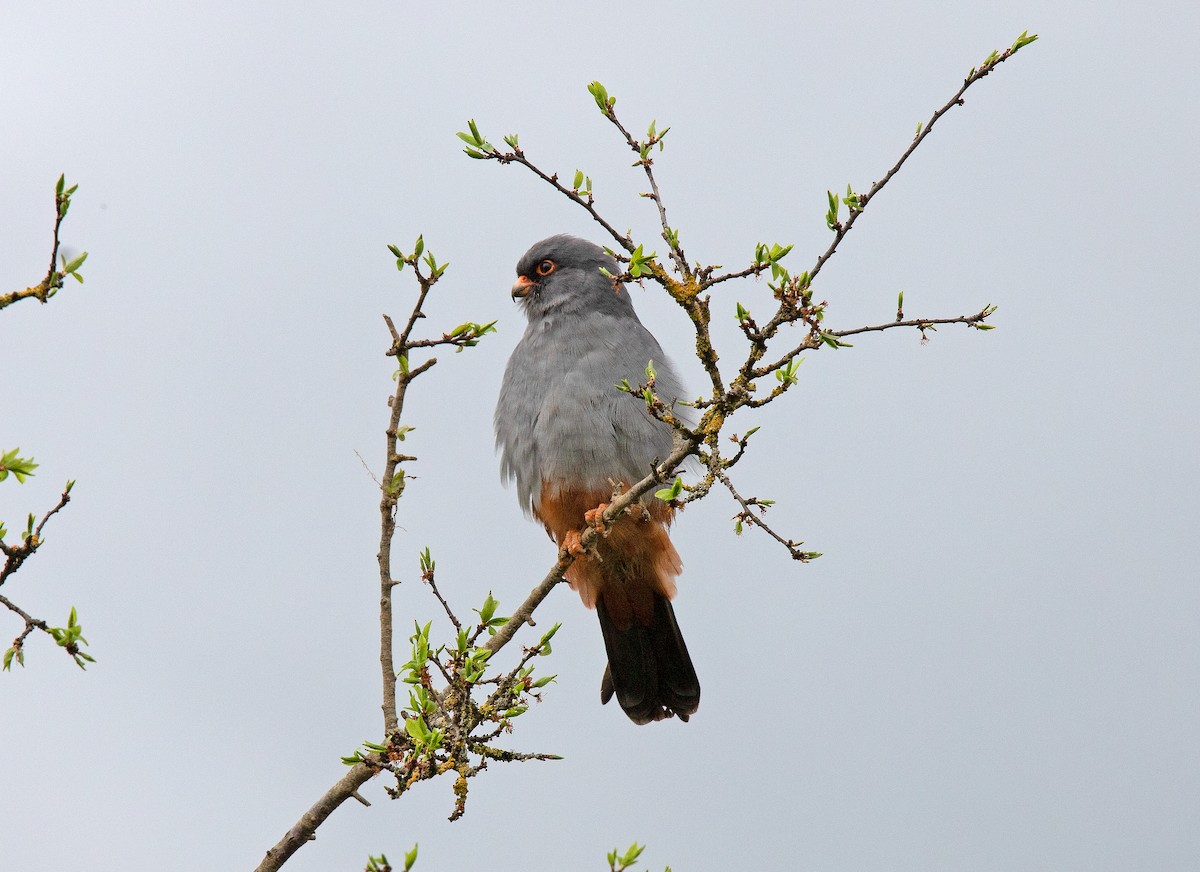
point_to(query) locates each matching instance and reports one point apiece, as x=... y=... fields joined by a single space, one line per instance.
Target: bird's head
x=563 y=273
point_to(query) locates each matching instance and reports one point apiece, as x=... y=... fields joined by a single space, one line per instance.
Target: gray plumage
x=560 y=416
x=567 y=435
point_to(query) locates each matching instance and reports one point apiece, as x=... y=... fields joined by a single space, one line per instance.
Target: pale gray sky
x=995 y=665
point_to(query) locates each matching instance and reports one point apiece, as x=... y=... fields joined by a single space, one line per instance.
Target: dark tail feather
x=648 y=666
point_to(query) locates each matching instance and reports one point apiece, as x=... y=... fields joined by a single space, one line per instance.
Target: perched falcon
x=567 y=436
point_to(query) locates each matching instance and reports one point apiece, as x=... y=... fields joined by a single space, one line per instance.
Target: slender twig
x=390 y=493
x=748 y=515
x=31 y=623
x=517 y=155
x=53 y=282
x=63 y=499
x=755 y=270
x=428 y=579
x=14 y=557
x=920 y=323
x=795 y=298
x=841 y=229
x=668 y=235
x=17 y=554
x=813 y=341
x=368 y=469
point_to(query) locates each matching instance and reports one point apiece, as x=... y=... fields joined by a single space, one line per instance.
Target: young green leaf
x=667 y=494
x=76 y=263
x=416 y=728
x=831 y=217
x=549 y=634
x=488 y=610
x=20 y=467
x=600 y=94
x=1023 y=40
x=786 y=374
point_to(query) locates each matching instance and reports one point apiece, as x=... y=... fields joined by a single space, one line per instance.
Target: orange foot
x=572 y=545
x=595 y=517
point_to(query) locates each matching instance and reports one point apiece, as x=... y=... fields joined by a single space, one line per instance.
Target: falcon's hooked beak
x=521 y=287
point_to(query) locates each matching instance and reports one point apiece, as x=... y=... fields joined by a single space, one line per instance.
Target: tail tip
x=647 y=711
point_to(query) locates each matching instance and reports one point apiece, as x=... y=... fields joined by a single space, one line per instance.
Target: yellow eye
x=545 y=267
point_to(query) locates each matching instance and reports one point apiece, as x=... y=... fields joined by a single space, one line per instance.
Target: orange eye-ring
x=545 y=267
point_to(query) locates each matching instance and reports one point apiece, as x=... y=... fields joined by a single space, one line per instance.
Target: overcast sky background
x=993 y=667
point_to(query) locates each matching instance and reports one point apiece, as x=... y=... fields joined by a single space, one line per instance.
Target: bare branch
x=305 y=829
